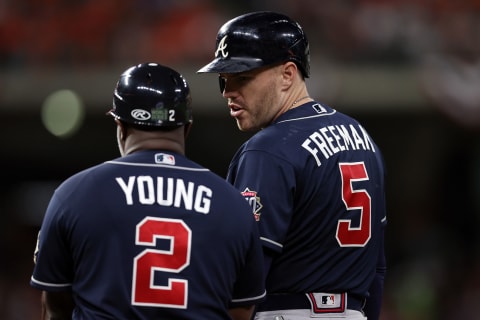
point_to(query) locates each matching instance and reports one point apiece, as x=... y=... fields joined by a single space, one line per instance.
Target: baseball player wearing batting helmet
x=313 y=176
x=151 y=234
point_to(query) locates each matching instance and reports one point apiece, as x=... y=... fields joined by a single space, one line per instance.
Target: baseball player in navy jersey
x=151 y=234
x=312 y=175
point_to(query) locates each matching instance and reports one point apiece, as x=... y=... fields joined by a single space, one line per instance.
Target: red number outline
x=354 y=199
x=149 y=261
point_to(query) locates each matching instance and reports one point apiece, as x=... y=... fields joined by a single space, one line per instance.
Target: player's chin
x=244 y=125
x=240 y=125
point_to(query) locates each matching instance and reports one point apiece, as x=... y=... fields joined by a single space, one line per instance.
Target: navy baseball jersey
x=315 y=181
x=151 y=235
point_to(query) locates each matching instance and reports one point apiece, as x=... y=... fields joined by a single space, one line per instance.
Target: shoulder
x=83 y=175
x=263 y=140
x=86 y=179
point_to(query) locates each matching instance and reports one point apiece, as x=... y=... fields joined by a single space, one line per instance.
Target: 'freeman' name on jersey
x=330 y=140
x=166 y=192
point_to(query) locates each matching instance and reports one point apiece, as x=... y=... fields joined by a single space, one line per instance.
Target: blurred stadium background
x=409 y=70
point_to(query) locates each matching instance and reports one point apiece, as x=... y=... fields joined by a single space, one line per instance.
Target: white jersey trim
x=310 y=117
x=272 y=242
x=48 y=284
x=155 y=165
x=251 y=298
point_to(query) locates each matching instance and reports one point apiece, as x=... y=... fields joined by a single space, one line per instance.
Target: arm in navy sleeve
x=374 y=301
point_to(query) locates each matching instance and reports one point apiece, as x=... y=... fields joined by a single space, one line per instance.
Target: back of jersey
x=318 y=181
x=150 y=235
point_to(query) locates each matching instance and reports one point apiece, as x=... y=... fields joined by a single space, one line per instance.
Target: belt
x=288 y=301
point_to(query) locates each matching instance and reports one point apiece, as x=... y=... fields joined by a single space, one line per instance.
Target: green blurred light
x=63 y=113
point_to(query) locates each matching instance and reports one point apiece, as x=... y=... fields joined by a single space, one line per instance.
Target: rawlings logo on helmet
x=140 y=114
x=221 y=48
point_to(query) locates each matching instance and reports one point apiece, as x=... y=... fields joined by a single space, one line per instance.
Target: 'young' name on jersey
x=166 y=192
x=330 y=140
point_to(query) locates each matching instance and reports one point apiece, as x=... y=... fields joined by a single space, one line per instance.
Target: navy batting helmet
x=150 y=95
x=259 y=39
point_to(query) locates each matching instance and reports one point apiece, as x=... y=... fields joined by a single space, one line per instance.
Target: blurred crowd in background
x=442 y=36
x=433 y=246
x=88 y=32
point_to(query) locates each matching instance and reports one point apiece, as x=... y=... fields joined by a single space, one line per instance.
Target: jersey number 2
x=348 y=236
x=150 y=261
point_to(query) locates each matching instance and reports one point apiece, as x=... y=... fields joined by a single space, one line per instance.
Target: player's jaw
x=254 y=114
x=251 y=98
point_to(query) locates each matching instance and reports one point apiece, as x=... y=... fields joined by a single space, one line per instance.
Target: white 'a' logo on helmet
x=221 y=48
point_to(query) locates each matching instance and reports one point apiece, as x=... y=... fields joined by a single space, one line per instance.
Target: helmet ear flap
x=302 y=58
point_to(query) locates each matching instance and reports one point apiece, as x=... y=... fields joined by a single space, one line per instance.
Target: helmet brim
x=232 y=65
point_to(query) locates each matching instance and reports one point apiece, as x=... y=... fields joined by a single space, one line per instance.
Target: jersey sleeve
x=249 y=288
x=374 y=301
x=268 y=184
x=53 y=270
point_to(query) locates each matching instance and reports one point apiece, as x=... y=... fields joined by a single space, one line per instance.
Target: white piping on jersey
x=251 y=298
x=272 y=242
x=309 y=117
x=155 y=165
x=48 y=284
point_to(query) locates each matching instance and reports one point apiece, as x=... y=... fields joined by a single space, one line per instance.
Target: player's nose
x=226 y=90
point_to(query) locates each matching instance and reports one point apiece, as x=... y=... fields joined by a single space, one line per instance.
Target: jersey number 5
x=150 y=261
x=348 y=236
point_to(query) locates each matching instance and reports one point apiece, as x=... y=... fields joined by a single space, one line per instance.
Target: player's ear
x=187 y=128
x=289 y=72
x=121 y=130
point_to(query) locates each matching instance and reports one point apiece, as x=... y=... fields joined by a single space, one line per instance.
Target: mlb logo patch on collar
x=164 y=158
